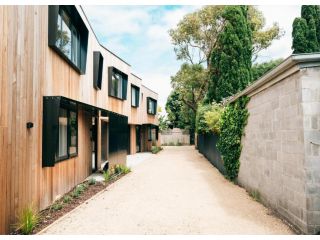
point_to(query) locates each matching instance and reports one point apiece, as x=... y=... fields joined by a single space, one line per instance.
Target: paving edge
x=73 y=210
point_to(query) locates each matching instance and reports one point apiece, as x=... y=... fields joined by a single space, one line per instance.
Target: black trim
x=50 y=130
x=111 y=71
x=97 y=70
x=53 y=12
x=137 y=95
x=155 y=105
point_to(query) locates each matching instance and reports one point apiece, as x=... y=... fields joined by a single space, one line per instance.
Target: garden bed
x=69 y=201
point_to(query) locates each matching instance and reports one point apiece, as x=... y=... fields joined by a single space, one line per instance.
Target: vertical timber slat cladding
x=31 y=70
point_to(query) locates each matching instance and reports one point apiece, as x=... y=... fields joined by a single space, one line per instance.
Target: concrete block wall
x=273 y=154
x=311 y=123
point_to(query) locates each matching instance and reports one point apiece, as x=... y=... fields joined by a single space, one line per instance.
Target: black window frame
x=97 y=70
x=124 y=78
x=78 y=24
x=50 y=129
x=69 y=108
x=155 y=106
x=137 y=93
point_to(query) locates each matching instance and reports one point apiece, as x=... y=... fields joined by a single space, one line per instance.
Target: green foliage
x=259 y=69
x=306 y=30
x=233 y=122
x=231 y=60
x=92 y=181
x=156 y=149
x=79 y=190
x=27 y=220
x=195 y=36
x=67 y=199
x=121 y=169
x=107 y=176
x=299 y=35
x=56 y=206
x=255 y=194
x=174 y=109
x=208 y=118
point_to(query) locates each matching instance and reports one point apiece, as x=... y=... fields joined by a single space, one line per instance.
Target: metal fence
x=207 y=146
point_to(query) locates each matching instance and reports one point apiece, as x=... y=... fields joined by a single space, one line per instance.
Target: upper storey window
x=68 y=36
x=118 y=82
x=151 y=106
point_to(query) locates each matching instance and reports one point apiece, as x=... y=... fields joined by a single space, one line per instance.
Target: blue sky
x=139 y=35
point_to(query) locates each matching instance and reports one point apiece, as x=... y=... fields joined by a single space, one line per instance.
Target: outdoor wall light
x=29 y=124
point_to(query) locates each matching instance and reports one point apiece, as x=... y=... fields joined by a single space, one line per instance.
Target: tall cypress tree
x=306 y=30
x=231 y=60
x=299 y=35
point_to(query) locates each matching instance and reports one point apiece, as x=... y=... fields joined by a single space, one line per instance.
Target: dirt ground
x=177 y=191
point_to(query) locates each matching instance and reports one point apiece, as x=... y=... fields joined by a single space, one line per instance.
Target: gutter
x=289 y=66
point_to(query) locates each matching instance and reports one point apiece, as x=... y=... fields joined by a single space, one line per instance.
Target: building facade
x=68 y=106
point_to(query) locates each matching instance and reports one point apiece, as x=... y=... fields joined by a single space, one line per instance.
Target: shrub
x=119 y=169
x=208 y=118
x=27 y=220
x=92 y=181
x=67 y=199
x=233 y=122
x=56 y=206
x=156 y=149
x=107 y=176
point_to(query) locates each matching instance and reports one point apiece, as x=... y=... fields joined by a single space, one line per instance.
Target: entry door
x=138 y=138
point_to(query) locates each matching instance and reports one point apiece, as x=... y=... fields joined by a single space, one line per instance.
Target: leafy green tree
x=191 y=82
x=208 y=118
x=175 y=110
x=259 y=69
x=306 y=30
x=196 y=35
x=231 y=60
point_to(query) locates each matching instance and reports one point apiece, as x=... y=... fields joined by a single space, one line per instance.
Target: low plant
x=27 y=220
x=107 y=176
x=179 y=144
x=92 y=181
x=56 y=206
x=67 y=199
x=78 y=190
x=255 y=194
x=156 y=149
x=119 y=169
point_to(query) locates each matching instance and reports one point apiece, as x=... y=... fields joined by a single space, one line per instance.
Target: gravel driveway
x=175 y=192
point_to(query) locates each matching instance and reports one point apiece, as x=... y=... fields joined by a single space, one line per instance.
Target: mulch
x=49 y=215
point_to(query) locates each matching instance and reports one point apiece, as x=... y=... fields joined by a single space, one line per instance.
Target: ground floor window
x=68 y=134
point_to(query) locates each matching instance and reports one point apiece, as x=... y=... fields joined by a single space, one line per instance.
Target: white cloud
x=284 y=15
x=139 y=34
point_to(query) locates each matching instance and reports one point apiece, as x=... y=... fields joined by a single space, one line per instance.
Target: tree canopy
x=195 y=36
x=231 y=60
x=306 y=30
x=259 y=69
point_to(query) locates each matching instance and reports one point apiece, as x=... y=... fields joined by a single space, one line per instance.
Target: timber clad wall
x=29 y=70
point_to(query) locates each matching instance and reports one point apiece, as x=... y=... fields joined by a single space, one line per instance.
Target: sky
x=139 y=35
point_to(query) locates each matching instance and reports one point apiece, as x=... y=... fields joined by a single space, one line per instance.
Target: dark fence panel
x=207 y=146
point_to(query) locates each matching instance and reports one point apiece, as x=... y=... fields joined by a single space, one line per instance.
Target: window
x=135 y=92
x=117 y=83
x=97 y=70
x=59 y=130
x=68 y=35
x=152 y=133
x=151 y=106
x=67 y=134
x=63 y=134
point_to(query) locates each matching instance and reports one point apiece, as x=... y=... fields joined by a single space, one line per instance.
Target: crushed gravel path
x=177 y=191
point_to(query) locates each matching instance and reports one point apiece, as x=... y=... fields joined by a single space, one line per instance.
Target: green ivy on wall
x=233 y=122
